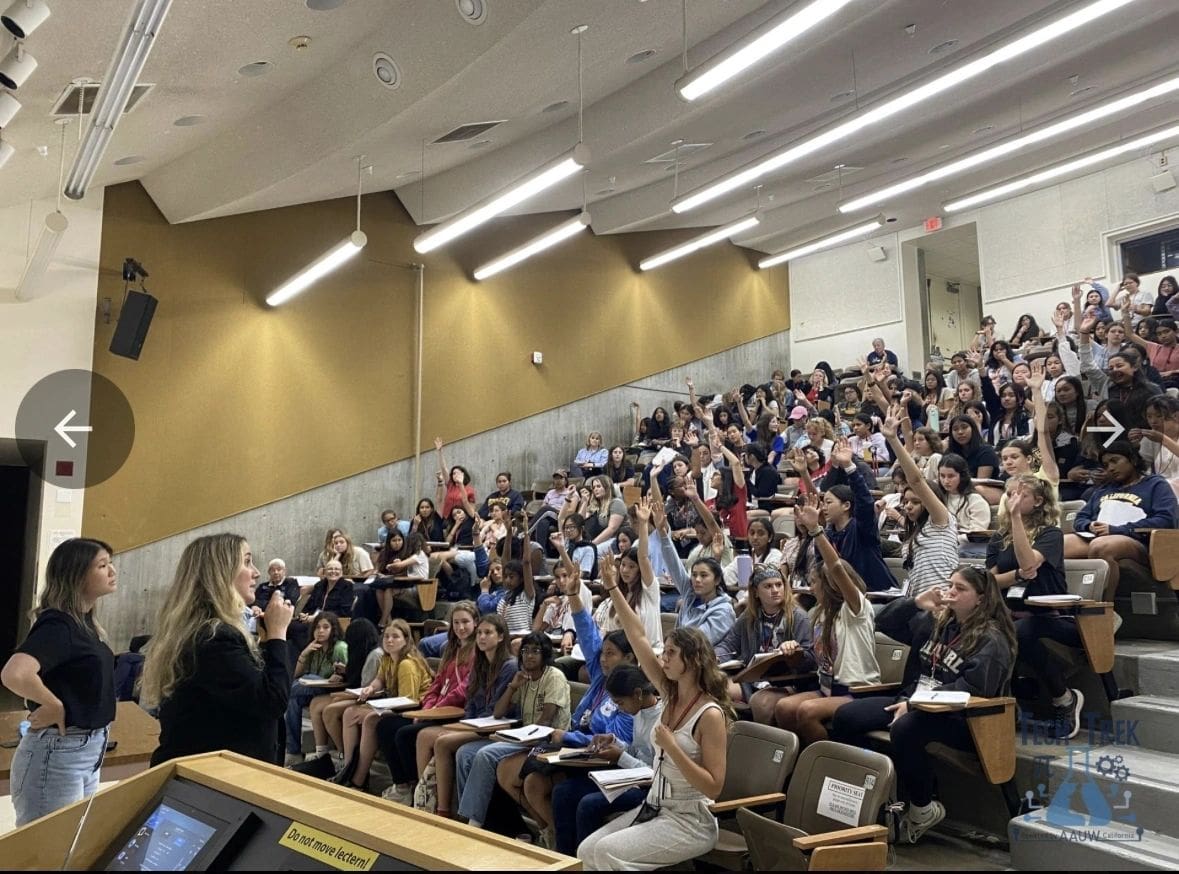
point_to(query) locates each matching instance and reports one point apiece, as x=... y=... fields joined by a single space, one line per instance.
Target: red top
x=449 y=688
x=454 y=498
x=737 y=516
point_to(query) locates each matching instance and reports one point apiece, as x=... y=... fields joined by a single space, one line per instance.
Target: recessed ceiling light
x=943 y=147
x=472 y=11
x=639 y=57
x=555 y=107
x=258 y=68
x=479 y=144
x=408 y=174
x=386 y=71
x=986 y=128
x=1085 y=90
x=842 y=95
x=943 y=47
x=324 y=5
x=299 y=43
x=754 y=134
x=129 y=159
x=189 y=120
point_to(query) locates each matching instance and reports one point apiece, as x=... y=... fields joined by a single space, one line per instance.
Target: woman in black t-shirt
x=66 y=673
x=215 y=686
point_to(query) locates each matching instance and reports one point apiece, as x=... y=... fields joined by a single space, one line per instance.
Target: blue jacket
x=1152 y=495
x=714 y=618
x=859 y=542
x=481 y=702
x=606 y=718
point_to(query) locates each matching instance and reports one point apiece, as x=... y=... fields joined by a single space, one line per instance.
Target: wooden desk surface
x=137 y=733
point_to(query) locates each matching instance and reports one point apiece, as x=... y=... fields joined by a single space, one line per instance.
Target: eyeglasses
x=531 y=650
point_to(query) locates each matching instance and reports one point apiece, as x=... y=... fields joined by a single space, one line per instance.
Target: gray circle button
x=75 y=429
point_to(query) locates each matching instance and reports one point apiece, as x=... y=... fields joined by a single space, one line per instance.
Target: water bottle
x=744 y=570
x=933 y=420
x=24 y=727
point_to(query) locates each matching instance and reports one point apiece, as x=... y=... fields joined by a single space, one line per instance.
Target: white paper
x=1050 y=599
x=731 y=665
x=841 y=801
x=664 y=456
x=527 y=733
x=1120 y=513
x=577 y=653
x=486 y=722
x=398 y=703
x=355 y=691
x=617 y=780
x=930 y=696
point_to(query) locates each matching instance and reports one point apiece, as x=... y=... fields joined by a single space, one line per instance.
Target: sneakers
x=912 y=829
x=1066 y=719
x=398 y=795
x=425 y=796
x=548 y=838
x=292 y=759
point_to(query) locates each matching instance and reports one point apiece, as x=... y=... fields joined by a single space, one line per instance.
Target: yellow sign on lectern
x=338 y=853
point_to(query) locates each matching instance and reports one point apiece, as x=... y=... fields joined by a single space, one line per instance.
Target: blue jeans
x=50 y=771
x=431 y=647
x=580 y=809
x=474 y=768
x=300 y=697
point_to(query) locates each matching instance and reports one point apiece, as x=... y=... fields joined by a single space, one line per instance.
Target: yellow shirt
x=411 y=681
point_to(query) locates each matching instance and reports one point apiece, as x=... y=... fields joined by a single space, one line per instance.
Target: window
x=1151 y=254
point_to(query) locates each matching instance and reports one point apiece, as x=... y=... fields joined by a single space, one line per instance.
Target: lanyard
x=683 y=713
x=935 y=653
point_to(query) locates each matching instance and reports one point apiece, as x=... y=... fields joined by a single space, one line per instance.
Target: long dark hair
x=484 y=671
x=975 y=442
x=829 y=599
x=991 y=614
x=1076 y=412
x=455 y=648
x=333 y=620
x=958 y=464
x=1018 y=338
x=699 y=657
x=65 y=578
x=362 y=638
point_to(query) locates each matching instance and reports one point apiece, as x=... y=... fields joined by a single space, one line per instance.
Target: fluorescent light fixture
x=9 y=107
x=147 y=17
x=754 y=47
x=916 y=96
x=1081 y=120
x=696 y=243
x=318 y=269
x=822 y=243
x=1069 y=167
x=30 y=281
x=540 y=179
x=548 y=239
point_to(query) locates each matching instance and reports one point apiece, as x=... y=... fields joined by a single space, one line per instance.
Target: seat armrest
x=751 y=801
x=843 y=836
x=873 y=688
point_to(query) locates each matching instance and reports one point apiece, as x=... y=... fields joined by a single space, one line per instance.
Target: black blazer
x=227 y=701
x=289 y=588
x=339 y=600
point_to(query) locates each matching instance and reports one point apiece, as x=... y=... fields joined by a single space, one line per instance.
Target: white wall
x=52 y=332
x=1032 y=248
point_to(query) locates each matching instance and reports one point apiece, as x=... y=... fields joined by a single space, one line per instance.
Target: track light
x=547 y=240
x=318 y=269
x=127 y=63
x=913 y=97
x=24 y=16
x=822 y=243
x=9 y=107
x=1033 y=179
x=31 y=280
x=16 y=67
x=1075 y=122
x=700 y=242
x=534 y=183
x=759 y=44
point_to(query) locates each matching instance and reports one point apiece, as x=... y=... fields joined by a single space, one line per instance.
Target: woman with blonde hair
x=215 y=687
x=591 y=460
x=66 y=673
x=337 y=545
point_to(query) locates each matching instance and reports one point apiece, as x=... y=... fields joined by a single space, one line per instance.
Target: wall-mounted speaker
x=877 y=253
x=134 y=320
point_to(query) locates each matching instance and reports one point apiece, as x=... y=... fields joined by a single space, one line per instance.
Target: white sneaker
x=292 y=759
x=912 y=829
x=398 y=795
x=316 y=755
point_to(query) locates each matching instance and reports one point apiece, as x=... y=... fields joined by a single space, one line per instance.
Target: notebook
x=527 y=734
x=398 y=703
x=617 y=780
x=487 y=722
x=933 y=696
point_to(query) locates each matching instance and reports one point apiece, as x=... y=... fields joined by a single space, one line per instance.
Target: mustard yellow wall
x=238 y=404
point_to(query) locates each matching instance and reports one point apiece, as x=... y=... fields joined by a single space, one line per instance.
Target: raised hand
x=692 y=438
x=438 y=444
x=1036 y=379
x=643 y=510
x=807 y=516
x=841 y=455
x=1089 y=321
x=608 y=571
x=889 y=427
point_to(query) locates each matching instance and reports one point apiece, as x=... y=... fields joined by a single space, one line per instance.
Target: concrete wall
x=293 y=528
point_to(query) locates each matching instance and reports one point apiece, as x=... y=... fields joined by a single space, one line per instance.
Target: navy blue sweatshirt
x=1152 y=495
x=859 y=542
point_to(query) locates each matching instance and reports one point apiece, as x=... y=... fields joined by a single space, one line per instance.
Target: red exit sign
x=934 y=223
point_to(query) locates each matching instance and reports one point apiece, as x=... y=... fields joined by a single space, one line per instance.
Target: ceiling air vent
x=832 y=177
x=465 y=132
x=85 y=95
x=685 y=149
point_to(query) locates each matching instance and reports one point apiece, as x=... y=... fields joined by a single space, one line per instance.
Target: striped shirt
x=517 y=616
x=934 y=552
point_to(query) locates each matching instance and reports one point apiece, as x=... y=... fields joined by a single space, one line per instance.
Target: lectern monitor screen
x=168 y=840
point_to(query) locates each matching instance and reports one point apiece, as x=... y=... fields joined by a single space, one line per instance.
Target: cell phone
x=112 y=745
